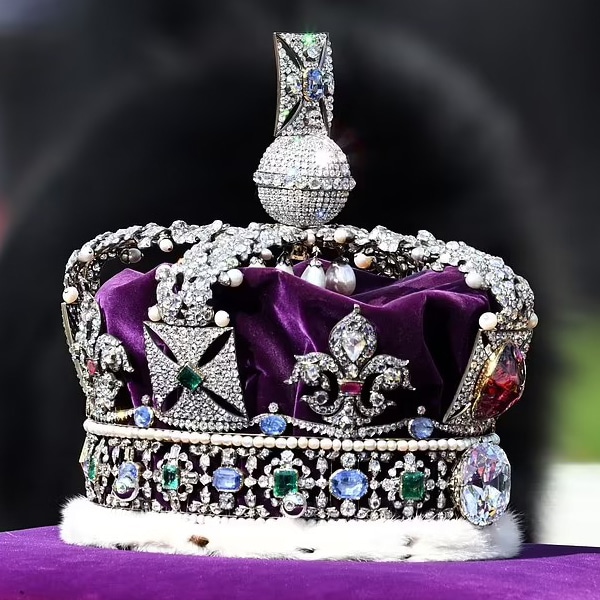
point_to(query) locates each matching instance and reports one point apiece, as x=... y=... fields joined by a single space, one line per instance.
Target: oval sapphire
x=348 y=484
x=273 y=425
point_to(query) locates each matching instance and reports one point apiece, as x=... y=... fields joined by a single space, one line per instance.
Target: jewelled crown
x=297 y=368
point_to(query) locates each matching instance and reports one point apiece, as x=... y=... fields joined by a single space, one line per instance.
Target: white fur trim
x=87 y=524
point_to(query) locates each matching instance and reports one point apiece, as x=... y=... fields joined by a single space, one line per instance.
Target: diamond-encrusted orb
x=482 y=484
x=501 y=384
x=348 y=484
x=303 y=180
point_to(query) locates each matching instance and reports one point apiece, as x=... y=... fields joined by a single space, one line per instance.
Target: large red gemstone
x=351 y=388
x=502 y=383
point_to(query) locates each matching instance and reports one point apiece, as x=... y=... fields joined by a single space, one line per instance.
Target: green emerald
x=413 y=485
x=92 y=469
x=308 y=39
x=170 y=477
x=189 y=378
x=285 y=481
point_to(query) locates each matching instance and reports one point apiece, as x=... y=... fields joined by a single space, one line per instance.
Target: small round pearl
x=285 y=267
x=314 y=443
x=280 y=443
x=176 y=436
x=402 y=445
x=362 y=261
x=302 y=443
x=217 y=224
x=235 y=277
x=236 y=440
x=392 y=445
x=86 y=254
x=205 y=438
x=326 y=444
x=216 y=439
x=443 y=444
x=269 y=442
x=381 y=445
x=340 y=235
x=70 y=295
x=347 y=445
x=247 y=441
x=460 y=445
x=474 y=280
x=291 y=443
x=222 y=318
x=370 y=445
x=532 y=321
x=452 y=444
x=358 y=446
x=413 y=445
x=423 y=445
x=194 y=438
x=266 y=254
x=185 y=437
x=166 y=245
x=488 y=321
x=336 y=445
x=258 y=442
x=154 y=313
x=417 y=254
x=433 y=445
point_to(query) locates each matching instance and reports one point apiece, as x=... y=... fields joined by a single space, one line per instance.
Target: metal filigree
x=344 y=397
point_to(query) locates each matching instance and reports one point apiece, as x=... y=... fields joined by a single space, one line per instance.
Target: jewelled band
x=256 y=481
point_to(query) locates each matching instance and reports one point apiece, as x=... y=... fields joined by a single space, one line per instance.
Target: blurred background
x=483 y=119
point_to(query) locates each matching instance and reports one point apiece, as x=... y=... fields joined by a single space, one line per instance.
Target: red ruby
x=503 y=387
x=351 y=388
x=92 y=367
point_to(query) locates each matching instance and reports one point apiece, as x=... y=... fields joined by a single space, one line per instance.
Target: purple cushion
x=36 y=564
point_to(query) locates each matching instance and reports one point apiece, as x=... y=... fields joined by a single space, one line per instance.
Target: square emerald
x=170 y=477
x=285 y=481
x=413 y=485
x=189 y=378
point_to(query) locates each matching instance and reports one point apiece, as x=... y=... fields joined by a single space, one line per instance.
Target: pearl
x=392 y=445
x=381 y=445
x=302 y=443
x=222 y=318
x=340 y=235
x=443 y=444
x=347 y=445
x=358 y=446
x=362 y=261
x=131 y=256
x=460 y=445
x=175 y=436
x=326 y=444
x=236 y=440
x=336 y=445
x=266 y=254
x=235 y=277
x=285 y=267
x=205 y=438
x=423 y=444
x=227 y=439
x=532 y=321
x=247 y=441
x=86 y=254
x=314 y=274
x=269 y=442
x=185 y=437
x=217 y=224
x=216 y=439
x=474 y=280
x=340 y=278
x=413 y=445
x=70 y=295
x=258 y=442
x=433 y=445
x=370 y=445
x=417 y=254
x=291 y=443
x=195 y=438
x=154 y=313
x=402 y=445
x=166 y=245
x=314 y=443
x=310 y=238
x=452 y=444
x=488 y=321
x=280 y=443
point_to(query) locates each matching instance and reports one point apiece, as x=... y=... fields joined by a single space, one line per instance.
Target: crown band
x=251 y=480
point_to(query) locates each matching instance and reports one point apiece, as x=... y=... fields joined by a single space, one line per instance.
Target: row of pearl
x=259 y=441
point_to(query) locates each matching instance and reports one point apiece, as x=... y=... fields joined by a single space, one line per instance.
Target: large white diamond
x=354 y=343
x=483 y=484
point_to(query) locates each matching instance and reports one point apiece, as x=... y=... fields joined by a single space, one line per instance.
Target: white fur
x=88 y=524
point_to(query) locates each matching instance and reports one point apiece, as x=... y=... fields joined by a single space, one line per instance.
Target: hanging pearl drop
x=314 y=273
x=340 y=278
x=285 y=267
x=222 y=318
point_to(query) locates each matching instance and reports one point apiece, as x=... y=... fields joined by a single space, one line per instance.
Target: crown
x=297 y=388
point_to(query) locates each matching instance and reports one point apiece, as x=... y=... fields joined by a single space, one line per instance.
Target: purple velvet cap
x=430 y=319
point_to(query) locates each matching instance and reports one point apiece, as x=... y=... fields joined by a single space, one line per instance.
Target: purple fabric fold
x=429 y=319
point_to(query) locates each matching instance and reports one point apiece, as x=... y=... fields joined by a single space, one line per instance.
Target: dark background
x=477 y=121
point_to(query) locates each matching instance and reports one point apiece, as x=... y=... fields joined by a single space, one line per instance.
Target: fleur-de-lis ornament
x=352 y=380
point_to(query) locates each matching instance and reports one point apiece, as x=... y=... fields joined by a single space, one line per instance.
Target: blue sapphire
x=143 y=416
x=273 y=425
x=315 y=88
x=227 y=479
x=128 y=469
x=348 y=484
x=420 y=428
